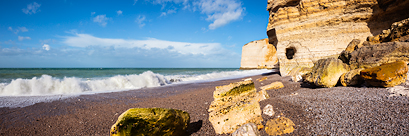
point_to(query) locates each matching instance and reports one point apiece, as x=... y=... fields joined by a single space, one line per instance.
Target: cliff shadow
x=272 y=37
x=386 y=13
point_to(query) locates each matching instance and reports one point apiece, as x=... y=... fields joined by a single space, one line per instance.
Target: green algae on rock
x=151 y=122
x=326 y=72
x=234 y=105
x=386 y=75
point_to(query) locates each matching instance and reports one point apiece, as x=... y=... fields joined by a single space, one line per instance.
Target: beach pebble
x=268 y=110
x=248 y=79
x=249 y=129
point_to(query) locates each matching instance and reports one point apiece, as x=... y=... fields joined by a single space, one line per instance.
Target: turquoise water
x=8 y=74
x=68 y=81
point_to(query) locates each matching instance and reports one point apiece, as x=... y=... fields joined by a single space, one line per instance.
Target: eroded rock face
x=386 y=75
x=305 y=31
x=397 y=31
x=326 y=72
x=151 y=121
x=234 y=105
x=259 y=54
x=375 y=55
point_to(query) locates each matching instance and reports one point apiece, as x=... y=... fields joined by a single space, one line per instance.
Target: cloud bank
x=86 y=40
x=85 y=50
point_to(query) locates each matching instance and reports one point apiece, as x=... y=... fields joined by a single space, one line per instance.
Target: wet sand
x=315 y=111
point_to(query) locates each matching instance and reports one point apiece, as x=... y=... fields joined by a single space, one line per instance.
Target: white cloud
x=23 y=29
x=92 y=13
x=134 y=2
x=15 y=31
x=221 y=12
x=9 y=42
x=99 y=56
x=46 y=47
x=21 y=38
x=86 y=40
x=32 y=8
x=140 y=20
x=171 y=11
x=101 y=19
x=47 y=41
x=119 y=12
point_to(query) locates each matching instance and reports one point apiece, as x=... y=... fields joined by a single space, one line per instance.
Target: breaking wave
x=48 y=85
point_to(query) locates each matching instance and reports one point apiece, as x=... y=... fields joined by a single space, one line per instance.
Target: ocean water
x=26 y=86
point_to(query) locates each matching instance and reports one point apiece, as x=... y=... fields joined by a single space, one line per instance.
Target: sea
x=20 y=87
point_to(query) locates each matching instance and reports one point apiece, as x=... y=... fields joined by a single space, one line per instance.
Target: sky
x=128 y=33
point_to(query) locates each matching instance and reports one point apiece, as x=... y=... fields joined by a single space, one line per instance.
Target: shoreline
x=315 y=111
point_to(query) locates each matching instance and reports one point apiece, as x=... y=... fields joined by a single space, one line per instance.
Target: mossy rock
x=239 y=89
x=386 y=75
x=326 y=72
x=151 y=122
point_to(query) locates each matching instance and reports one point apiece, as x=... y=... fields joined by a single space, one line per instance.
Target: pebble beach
x=314 y=111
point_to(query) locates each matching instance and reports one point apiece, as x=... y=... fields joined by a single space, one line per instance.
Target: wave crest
x=47 y=85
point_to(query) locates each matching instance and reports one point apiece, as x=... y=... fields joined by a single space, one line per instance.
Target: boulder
x=346 y=54
x=297 y=73
x=351 y=78
x=274 y=85
x=234 y=105
x=151 y=121
x=377 y=54
x=386 y=75
x=249 y=129
x=326 y=72
x=279 y=126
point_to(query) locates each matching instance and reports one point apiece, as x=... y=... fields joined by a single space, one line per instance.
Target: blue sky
x=128 y=33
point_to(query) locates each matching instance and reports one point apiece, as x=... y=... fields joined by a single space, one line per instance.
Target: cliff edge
x=259 y=55
x=304 y=31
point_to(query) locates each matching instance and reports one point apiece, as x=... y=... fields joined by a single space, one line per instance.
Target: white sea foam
x=24 y=92
x=47 y=85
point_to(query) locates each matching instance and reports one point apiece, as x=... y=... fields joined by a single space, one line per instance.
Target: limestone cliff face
x=304 y=31
x=258 y=54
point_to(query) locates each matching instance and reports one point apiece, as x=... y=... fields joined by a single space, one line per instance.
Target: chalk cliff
x=304 y=31
x=259 y=54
